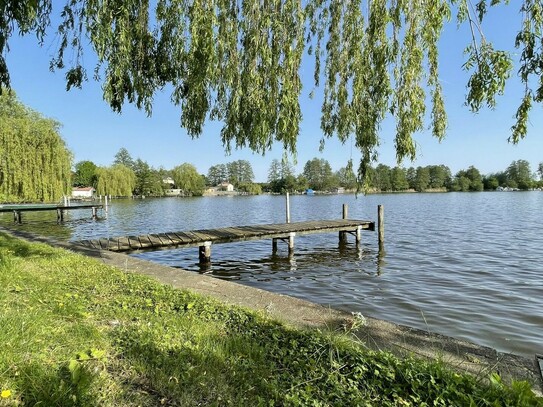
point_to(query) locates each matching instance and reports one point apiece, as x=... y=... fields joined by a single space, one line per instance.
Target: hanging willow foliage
x=117 y=180
x=34 y=161
x=239 y=62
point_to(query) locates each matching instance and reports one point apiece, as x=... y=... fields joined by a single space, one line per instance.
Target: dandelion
x=5 y=394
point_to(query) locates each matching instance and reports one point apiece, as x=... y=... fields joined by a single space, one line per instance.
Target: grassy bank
x=74 y=332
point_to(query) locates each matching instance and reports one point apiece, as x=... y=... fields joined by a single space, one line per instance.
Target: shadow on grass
x=39 y=385
x=22 y=248
x=231 y=371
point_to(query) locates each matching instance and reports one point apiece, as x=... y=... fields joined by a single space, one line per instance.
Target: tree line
x=127 y=176
x=317 y=174
x=35 y=166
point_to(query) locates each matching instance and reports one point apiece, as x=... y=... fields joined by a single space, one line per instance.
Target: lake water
x=467 y=265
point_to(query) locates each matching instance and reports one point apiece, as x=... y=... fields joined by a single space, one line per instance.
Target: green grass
x=74 y=332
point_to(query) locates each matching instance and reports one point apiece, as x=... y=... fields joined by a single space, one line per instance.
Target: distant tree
x=217 y=174
x=301 y=183
x=85 y=174
x=187 y=178
x=281 y=177
x=540 y=170
x=398 y=179
x=381 y=178
x=148 y=180
x=519 y=172
x=422 y=179
x=35 y=164
x=117 y=180
x=460 y=183
x=250 y=188
x=490 y=183
x=346 y=177
x=475 y=178
x=123 y=157
x=500 y=176
x=411 y=177
x=274 y=172
x=318 y=173
x=440 y=176
x=240 y=172
x=468 y=180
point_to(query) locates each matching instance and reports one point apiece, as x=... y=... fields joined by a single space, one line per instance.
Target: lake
x=467 y=265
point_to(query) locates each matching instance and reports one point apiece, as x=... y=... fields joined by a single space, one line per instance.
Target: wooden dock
x=17 y=210
x=203 y=239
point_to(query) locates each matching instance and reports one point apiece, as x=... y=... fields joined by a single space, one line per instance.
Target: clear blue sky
x=93 y=132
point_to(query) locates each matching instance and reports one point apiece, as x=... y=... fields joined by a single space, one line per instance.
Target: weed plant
x=74 y=332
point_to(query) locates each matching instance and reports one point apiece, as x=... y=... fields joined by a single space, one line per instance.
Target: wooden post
x=205 y=253
x=17 y=217
x=105 y=203
x=291 y=242
x=381 y=226
x=343 y=235
x=274 y=245
x=94 y=212
x=358 y=235
x=288 y=208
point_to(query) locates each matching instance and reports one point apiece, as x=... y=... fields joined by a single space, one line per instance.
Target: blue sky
x=93 y=132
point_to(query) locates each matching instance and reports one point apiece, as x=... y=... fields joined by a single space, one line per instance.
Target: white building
x=226 y=186
x=85 y=192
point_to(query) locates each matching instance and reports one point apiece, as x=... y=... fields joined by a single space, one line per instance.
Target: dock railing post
x=381 y=226
x=288 y=209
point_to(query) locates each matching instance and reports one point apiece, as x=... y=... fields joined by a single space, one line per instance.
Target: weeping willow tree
x=239 y=62
x=117 y=180
x=34 y=161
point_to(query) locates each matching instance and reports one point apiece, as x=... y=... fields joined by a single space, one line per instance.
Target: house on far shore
x=226 y=186
x=169 y=181
x=83 y=192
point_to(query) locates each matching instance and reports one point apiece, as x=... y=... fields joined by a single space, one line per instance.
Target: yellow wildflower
x=5 y=394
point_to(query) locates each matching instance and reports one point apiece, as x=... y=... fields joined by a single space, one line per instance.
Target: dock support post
x=106 y=203
x=60 y=215
x=288 y=209
x=17 y=217
x=343 y=235
x=358 y=235
x=205 y=253
x=381 y=226
x=291 y=243
x=274 y=245
x=94 y=212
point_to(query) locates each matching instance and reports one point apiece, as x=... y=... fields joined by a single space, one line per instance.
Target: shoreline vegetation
x=76 y=332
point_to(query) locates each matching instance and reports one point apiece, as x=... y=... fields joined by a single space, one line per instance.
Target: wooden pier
x=203 y=239
x=60 y=209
